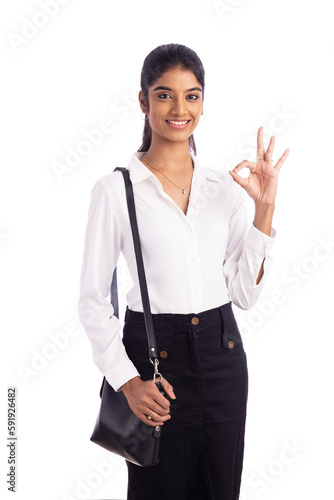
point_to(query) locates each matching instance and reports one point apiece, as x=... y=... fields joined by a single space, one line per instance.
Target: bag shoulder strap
x=141 y=276
x=140 y=267
x=114 y=293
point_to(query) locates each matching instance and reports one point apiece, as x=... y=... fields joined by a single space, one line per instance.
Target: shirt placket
x=191 y=255
x=193 y=262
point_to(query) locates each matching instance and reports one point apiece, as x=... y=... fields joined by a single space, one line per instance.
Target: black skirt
x=202 y=445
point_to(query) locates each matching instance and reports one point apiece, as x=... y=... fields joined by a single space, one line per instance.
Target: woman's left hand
x=261 y=184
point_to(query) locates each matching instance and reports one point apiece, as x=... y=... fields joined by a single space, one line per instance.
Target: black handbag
x=117 y=428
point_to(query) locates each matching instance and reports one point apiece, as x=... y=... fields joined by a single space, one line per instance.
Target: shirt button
x=188 y=229
x=196 y=290
x=230 y=344
x=195 y=321
x=192 y=259
x=163 y=354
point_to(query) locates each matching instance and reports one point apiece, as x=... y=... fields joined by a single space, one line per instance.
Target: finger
x=168 y=388
x=159 y=398
x=244 y=164
x=239 y=180
x=151 y=422
x=282 y=159
x=155 y=418
x=260 y=148
x=159 y=409
x=269 y=153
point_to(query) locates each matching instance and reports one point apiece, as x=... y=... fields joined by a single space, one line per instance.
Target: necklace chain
x=182 y=189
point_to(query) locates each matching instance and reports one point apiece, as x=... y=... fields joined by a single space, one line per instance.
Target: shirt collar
x=139 y=172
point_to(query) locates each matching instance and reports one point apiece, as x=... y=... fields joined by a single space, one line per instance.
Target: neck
x=169 y=156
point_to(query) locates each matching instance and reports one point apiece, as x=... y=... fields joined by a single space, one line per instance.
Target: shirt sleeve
x=246 y=249
x=102 y=244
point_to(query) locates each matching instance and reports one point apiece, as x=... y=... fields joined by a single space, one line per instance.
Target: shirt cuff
x=259 y=241
x=121 y=374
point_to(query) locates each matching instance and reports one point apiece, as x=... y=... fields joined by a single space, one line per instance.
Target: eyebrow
x=161 y=87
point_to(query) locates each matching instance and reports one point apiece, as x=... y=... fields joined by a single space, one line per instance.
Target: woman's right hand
x=145 y=399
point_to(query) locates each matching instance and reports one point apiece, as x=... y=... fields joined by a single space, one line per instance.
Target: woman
x=200 y=256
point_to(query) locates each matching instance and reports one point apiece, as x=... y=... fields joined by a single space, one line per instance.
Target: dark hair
x=156 y=63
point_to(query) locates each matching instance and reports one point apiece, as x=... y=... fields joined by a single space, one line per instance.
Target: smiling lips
x=178 y=124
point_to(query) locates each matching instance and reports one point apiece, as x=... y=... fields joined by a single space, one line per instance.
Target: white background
x=268 y=63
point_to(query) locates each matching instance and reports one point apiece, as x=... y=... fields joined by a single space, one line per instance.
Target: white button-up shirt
x=193 y=262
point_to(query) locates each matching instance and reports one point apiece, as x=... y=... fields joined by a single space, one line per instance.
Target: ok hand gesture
x=261 y=184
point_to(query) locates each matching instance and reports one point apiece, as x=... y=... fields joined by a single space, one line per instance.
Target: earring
x=145 y=116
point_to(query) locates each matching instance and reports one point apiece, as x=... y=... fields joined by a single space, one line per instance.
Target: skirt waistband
x=215 y=315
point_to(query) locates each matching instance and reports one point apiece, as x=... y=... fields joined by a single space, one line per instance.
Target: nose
x=179 y=107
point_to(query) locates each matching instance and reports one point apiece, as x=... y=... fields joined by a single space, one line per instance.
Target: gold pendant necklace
x=182 y=189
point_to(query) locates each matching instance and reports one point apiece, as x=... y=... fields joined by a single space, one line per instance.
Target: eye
x=193 y=97
x=162 y=96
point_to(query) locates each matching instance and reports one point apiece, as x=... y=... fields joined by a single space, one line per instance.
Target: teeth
x=177 y=123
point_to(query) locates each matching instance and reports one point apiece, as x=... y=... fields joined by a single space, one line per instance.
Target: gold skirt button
x=230 y=344
x=163 y=354
x=195 y=321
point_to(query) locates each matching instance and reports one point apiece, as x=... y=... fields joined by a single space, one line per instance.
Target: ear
x=142 y=102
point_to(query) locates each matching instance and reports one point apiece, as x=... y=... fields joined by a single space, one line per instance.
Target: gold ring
x=150 y=416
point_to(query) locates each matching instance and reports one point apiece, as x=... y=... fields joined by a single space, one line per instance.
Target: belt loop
x=227 y=308
x=222 y=316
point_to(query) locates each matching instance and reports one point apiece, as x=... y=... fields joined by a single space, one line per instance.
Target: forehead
x=177 y=78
